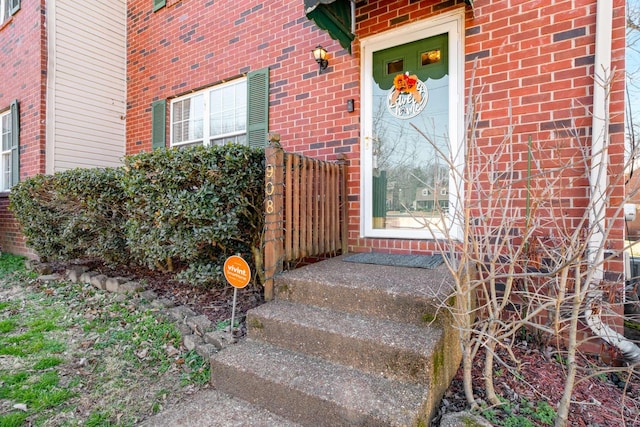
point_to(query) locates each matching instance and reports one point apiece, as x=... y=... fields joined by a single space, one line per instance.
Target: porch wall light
x=320 y=55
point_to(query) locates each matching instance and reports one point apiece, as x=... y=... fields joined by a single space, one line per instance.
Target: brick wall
x=533 y=63
x=189 y=45
x=22 y=63
x=535 y=59
x=539 y=59
x=536 y=56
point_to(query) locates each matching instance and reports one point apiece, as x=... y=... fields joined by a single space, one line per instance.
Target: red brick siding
x=22 y=76
x=177 y=49
x=536 y=56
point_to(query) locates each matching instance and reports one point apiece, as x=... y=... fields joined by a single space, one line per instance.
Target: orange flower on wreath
x=405 y=83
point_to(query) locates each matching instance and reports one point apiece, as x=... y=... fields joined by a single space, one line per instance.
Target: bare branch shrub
x=520 y=247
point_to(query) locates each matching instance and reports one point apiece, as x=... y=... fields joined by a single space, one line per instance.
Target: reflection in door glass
x=396 y=66
x=410 y=180
x=430 y=57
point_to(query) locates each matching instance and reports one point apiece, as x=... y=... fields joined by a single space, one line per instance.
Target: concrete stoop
x=346 y=344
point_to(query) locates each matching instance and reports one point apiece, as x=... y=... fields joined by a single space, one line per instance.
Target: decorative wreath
x=406 y=84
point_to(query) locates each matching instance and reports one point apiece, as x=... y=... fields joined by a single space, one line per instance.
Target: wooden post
x=295 y=190
x=309 y=209
x=274 y=192
x=316 y=207
x=288 y=215
x=344 y=204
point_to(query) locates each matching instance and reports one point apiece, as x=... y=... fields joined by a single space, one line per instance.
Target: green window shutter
x=158 y=124
x=14 y=6
x=158 y=4
x=257 y=107
x=15 y=143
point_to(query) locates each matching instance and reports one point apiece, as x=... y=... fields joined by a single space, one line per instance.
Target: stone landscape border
x=196 y=330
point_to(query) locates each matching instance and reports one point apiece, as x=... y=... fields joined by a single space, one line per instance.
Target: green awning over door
x=333 y=16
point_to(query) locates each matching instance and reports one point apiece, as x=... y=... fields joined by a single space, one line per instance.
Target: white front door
x=412 y=125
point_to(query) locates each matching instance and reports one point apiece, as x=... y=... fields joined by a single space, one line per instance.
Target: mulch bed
x=602 y=399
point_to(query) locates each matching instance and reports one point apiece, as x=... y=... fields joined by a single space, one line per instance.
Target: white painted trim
x=5 y=186
x=50 y=126
x=206 y=112
x=600 y=136
x=453 y=24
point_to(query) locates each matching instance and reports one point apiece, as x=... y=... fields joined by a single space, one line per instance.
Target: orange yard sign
x=237 y=271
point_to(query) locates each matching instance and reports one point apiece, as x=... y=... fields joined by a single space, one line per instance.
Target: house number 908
x=269 y=189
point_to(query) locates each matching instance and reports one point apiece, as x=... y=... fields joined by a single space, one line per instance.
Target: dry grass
x=73 y=355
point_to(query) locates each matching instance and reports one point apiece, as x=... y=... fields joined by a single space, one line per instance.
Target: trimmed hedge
x=183 y=211
x=72 y=214
x=190 y=209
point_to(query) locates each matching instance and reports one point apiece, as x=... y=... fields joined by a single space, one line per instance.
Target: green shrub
x=73 y=214
x=183 y=211
x=99 y=194
x=33 y=202
x=190 y=209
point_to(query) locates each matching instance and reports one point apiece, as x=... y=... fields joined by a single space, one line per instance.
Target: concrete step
x=401 y=351
x=208 y=408
x=346 y=344
x=392 y=293
x=312 y=391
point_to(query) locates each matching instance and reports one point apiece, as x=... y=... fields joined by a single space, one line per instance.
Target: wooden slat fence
x=305 y=209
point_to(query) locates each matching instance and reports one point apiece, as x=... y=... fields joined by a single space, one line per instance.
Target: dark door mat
x=398 y=260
